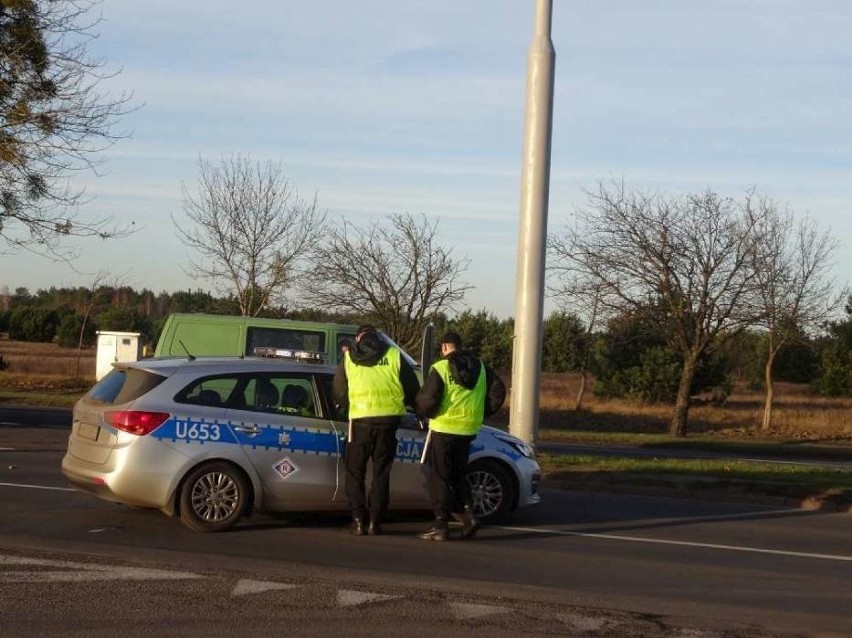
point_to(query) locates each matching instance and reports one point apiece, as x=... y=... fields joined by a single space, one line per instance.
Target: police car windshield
x=405 y=355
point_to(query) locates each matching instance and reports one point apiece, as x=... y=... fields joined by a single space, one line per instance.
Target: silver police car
x=213 y=439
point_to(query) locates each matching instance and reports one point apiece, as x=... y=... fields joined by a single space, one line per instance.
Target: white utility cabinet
x=114 y=347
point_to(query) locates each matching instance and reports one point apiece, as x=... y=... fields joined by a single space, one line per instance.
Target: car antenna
x=188 y=354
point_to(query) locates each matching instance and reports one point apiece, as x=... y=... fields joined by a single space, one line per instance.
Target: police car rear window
x=123 y=385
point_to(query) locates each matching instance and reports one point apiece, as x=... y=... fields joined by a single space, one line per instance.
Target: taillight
x=135 y=421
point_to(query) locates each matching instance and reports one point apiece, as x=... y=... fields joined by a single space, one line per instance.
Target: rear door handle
x=251 y=430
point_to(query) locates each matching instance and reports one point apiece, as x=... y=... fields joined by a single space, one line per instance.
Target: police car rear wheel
x=213 y=497
x=491 y=488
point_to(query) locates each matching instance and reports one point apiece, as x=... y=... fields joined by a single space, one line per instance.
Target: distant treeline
x=71 y=316
x=628 y=358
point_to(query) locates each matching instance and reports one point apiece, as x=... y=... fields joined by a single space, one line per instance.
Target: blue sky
x=383 y=107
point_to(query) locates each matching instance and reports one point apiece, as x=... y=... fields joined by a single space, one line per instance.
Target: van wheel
x=213 y=497
x=492 y=489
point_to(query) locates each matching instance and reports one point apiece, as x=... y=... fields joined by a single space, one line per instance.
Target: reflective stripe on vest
x=375 y=390
x=462 y=410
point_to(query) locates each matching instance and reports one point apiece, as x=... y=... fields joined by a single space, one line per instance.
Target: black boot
x=358 y=527
x=375 y=527
x=470 y=524
x=438 y=532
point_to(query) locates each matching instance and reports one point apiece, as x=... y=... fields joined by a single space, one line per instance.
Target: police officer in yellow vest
x=459 y=392
x=375 y=384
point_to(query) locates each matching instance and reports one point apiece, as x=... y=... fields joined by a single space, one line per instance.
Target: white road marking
x=80 y=572
x=660 y=541
x=582 y=623
x=248 y=586
x=7 y=449
x=350 y=598
x=462 y=611
x=39 y=487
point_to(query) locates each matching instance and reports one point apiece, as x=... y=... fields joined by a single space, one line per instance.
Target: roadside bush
x=563 y=343
x=836 y=378
x=657 y=379
x=485 y=334
x=654 y=380
x=125 y=319
x=33 y=324
x=652 y=374
x=796 y=362
x=68 y=332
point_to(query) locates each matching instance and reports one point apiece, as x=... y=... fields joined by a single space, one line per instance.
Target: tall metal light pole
x=532 y=236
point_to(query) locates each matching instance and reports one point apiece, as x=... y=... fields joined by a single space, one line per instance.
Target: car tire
x=213 y=497
x=492 y=489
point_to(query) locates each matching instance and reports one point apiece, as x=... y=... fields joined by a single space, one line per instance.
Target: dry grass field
x=799 y=415
x=47 y=359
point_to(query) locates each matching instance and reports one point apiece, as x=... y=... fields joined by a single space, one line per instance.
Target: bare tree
x=395 y=274
x=91 y=299
x=592 y=303
x=54 y=121
x=794 y=291
x=574 y=293
x=689 y=256
x=250 y=229
x=88 y=305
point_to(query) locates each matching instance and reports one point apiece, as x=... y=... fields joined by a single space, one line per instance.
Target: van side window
x=344 y=339
x=287 y=338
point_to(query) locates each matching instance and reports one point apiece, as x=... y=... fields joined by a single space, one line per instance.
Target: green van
x=197 y=334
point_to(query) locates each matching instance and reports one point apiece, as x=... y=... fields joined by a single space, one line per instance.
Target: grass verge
x=712 y=479
x=42 y=391
x=36 y=399
x=830 y=450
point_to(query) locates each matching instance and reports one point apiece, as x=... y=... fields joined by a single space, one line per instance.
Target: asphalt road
x=579 y=564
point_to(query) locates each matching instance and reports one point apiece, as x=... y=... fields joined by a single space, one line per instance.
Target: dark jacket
x=367 y=352
x=464 y=368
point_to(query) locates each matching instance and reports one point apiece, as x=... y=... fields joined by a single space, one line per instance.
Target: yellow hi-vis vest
x=375 y=390
x=461 y=410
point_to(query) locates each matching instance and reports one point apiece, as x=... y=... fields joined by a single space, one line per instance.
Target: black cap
x=453 y=338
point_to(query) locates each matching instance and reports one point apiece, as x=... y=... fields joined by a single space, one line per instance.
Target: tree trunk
x=770 y=392
x=80 y=344
x=578 y=402
x=681 y=409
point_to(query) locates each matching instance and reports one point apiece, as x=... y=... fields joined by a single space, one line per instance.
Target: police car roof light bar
x=305 y=356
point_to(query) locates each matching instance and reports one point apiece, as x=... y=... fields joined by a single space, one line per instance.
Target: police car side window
x=208 y=391
x=281 y=394
x=325 y=382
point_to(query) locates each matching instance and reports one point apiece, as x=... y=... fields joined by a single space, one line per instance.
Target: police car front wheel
x=492 y=489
